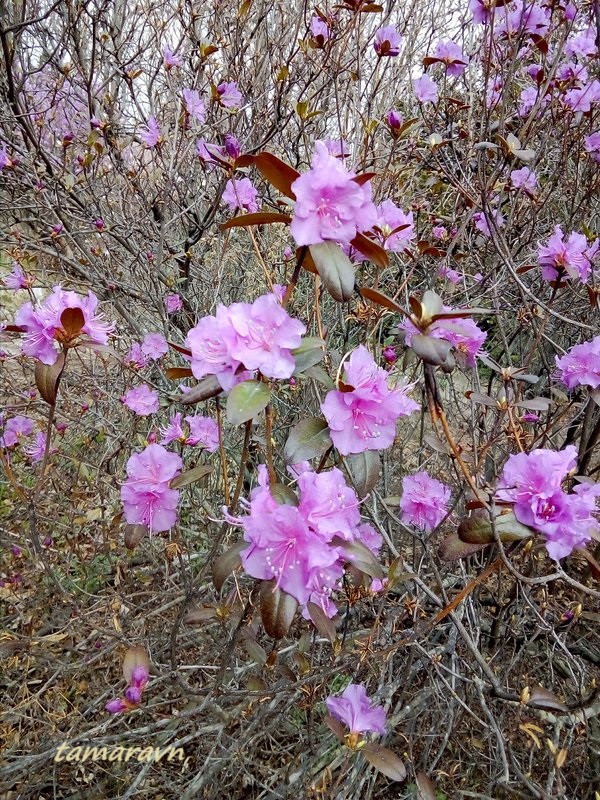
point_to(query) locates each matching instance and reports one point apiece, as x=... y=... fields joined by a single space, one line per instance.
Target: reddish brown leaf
x=176 y=373
x=385 y=761
x=207 y=388
x=180 y=349
x=134 y=535
x=277 y=172
x=381 y=299
x=260 y=218
x=452 y=548
x=227 y=563
x=542 y=698
x=47 y=378
x=364 y=177
x=321 y=621
x=335 y=726
x=370 y=250
x=425 y=787
x=72 y=321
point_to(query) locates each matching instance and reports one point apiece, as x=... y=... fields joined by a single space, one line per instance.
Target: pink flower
x=571 y=258
x=481 y=10
x=5 y=160
x=151 y=136
x=462 y=333
x=194 y=105
x=580 y=366
x=137 y=683
x=328 y=504
x=532 y=482
x=142 y=400
x=17 y=278
x=211 y=342
x=241 y=194
x=229 y=95
x=387 y=41
x=232 y=146
x=450 y=275
x=265 y=336
x=173 y=432
x=592 y=145
x=44 y=328
x=425 y=89
x=204 y=431
x=37 y=449
x=337 y=147
x=146 y=496
x=396 y=229
x=363 y=416
x=356 y=711
x=395 y=120
x=524 y=179
x=210 y=153
x=450 y=54
x=15 y=429
x=154 y=346
x=170 y=59
x=526 y=17
x=330 y=205
x=173 y=303
x=135 y=357
x=424 y=502
x=481 y=220
x=320 y=30
x=583 y=45
x=116 y=706
x=582 y=98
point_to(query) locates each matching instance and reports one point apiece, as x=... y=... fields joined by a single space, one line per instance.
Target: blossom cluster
x=43 y=327
x=571 y=257
x=245 y=337
x=294 y=544
x=580 y=366
x=532 y=482
x=424 y=502
x=133 y=694
x=362 y=413
x=146 y=495
x=199 y=430
x=461 y=332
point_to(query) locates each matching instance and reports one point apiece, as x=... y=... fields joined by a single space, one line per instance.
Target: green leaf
x=310 y=352
x=246 y=400
x=335 y=269
x=308 y=439
x=191 y=476
x=364 y=468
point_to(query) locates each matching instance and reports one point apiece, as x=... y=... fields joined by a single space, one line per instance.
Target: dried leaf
x=385 y=761
x=226 y=564
x=542 y=698
x=425 y=787
x=321 y=621
x=452 y=548
x=335 y=726
x=134 y=535
x=260 y=218
x=47 y=378
x=135 y=657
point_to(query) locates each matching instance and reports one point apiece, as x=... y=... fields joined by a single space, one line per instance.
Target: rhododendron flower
x=592 y=145
x=462 y=333
x=524 y=179
x=320 y=30
x=146 y=496
x=424 y=502
x=532 y=482
x=15 y=429
x=395 y=120
x=210 y=152
x=572 y=257
x=204 y=431
x=387 y=41
x=294 y=544
x=356 y=711
x=170 y=59
x=330 y=205
x=173 y=432
x=142 y=400
x=583 y=45
x=395 y=230
x=580 y=366
x=232 y=146
x=337 y=147
x=210 y=342
x=139 y=679
x=450 y=275
x=582 y=98
x=425 y=89
x=265 y=335
x=154 y=346
x=5 y=160
x=194 y=105
x=241 y=194
x=526 y=17
x=173 y=303
x=571 y=72
x=44 y=330
x=151 y=136
x=17 y=278
x=452 y=56
x=481 y=10
x=229 y=95
x=135 y=358
x=363 y=416
x=481 y=220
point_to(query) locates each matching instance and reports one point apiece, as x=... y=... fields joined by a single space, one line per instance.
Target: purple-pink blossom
x=424 y=502
x=532 y=482
x=582 y=98
x=15 y=429
x=580 y=366
x=135 y=358
x=294 y=544
x=229 y=95
x=203 y=431
x=151 y=136
x=363 y=415
x=571 y=258
x=154 y=346
x=330 y=204
x=387 y=41
x=194 y=105
x=462 y=333
x=524 y=179
x=425 y=89
x=232 y=146
x=44 y=331
x=173 y=303
x=395 y=120
x=482 y=219
x=142 y=400
x=17 y=279
x=320 y=30
x=450 y=54
x=394 y=227
x=592 y=145
x=354 y=708
x=241 y=194
x=170 y=59
x=146 y=496
x=521 y=17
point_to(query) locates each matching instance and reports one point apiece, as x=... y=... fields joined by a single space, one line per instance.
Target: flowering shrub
x=300 y=375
